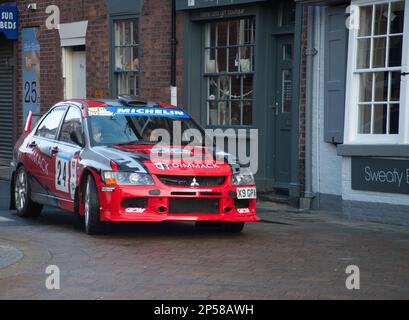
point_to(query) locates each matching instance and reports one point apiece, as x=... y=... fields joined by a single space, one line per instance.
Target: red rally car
x=99 y=159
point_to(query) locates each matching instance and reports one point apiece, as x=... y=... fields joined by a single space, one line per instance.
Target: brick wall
x=156 y=50
x=97 y=52
x=155 y=40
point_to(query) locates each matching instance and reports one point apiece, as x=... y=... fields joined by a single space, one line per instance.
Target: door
x=63 y=180
x=281 y=106
x=40 y=153
x=6 y=102
x=79 y=90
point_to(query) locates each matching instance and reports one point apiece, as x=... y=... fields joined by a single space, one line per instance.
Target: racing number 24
x=61 y=175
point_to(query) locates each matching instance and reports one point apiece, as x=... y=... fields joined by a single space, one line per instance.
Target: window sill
x=356 y=150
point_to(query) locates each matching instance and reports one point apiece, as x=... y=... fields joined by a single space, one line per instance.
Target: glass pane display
x=365 y=87
x=365 y=21
x=380 y=118
x=394 y=119
x=365 y=119
x=381 y=19
x=397 y=17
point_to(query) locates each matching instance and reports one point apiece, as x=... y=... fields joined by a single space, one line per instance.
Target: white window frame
x=351 y=135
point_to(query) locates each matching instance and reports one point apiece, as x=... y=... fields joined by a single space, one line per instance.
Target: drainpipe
x=310 y=53
x=173 y=87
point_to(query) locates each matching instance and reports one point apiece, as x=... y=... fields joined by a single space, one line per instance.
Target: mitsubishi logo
x=195 y=183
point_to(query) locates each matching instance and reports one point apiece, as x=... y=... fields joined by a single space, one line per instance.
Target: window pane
x=49 y=127
x=395 y=51
x=397 y=17
x=381 y=86
x=395 y=86
x=287 y=52
x=213 y=89
x=236 y=87
x=379 y=52
x=222 y=60
x=246 y=59
x=213 y=118
x=224 y=88
x=128 y=84
x=224 y=113
x=222 y=33
x=247 y=112
x=365 y=21
x=380 y=118
x=72 y=122
x=286 y=91
x=236 y=113
x=135 y=26
x=233 y=59
x=248 y=87
x=365 y=94
x=210 y=61
x=365 y=119
x=381 y=19
x=126 y=59
x=394 y=119
x=210 y=37
x=233 y=32
x=364 y=47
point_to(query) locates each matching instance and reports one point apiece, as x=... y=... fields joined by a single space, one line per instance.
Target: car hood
x=165 y=160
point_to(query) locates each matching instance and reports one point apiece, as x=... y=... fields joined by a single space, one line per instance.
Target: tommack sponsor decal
x=171 y=166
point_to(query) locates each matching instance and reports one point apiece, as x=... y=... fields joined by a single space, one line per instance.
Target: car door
x=40 y=153
x=63 y=179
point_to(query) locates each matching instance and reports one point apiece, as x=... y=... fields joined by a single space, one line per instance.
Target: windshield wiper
x=136 y=142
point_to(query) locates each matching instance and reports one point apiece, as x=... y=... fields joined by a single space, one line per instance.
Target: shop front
x=8 y=87
x=239 y=64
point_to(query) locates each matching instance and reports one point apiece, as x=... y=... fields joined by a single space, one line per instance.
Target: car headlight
x=243 y=178
x=127 y=178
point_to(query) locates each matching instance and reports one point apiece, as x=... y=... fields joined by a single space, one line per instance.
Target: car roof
x=127 y=101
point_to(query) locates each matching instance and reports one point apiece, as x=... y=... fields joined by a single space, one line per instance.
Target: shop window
x=229 y=71
x=377 y=92
x=126 y=56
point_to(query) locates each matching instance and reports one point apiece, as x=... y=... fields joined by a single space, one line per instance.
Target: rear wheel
x=93 y=224
x=22 y=196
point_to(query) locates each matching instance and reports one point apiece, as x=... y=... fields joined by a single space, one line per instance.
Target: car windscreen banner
x=138 y=112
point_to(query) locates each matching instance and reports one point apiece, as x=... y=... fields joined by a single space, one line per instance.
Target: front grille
x=135 y=203
x=188 y=181
x=193 y=205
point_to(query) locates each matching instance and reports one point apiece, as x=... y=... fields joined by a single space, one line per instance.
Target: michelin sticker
x=138 y=112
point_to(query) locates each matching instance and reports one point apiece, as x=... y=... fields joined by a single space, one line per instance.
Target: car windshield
x=124 y=126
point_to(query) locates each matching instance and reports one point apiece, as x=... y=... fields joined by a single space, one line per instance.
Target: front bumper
x=158 y=208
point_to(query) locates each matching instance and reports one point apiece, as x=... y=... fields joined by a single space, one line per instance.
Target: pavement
x=290 y=255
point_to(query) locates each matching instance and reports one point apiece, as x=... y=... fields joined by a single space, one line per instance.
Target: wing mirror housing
x=77 y=137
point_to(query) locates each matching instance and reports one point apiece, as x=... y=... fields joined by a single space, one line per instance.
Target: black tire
x=233 y=227
x=93 y=224
x=25 y=206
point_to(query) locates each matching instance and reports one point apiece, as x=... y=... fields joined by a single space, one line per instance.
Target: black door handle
x=32 y=145
x=55 y=150
x=404 y=74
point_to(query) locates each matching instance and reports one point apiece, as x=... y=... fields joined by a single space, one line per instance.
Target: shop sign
x=196 y=4
x=380 y=175
x=9 y=22
x=31 y=71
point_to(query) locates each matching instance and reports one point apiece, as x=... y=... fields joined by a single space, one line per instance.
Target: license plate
x=246 y=193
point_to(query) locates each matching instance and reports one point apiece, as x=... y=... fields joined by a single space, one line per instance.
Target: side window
x=49 y=126
x=72 y=122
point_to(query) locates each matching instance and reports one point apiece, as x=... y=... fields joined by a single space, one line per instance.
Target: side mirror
x=77 y=138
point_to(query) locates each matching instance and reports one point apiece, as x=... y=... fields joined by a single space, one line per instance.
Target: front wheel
x=93 y=224
x=22 y=196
